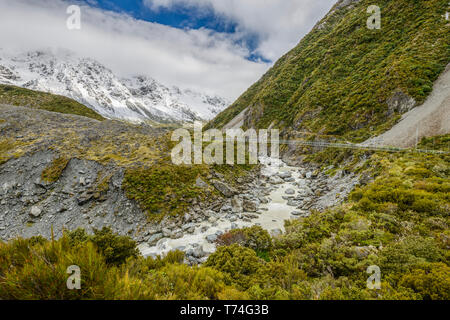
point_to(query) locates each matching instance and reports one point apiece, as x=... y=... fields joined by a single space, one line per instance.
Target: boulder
x=285 y=175
x=263 y=200
x=276 y=232
x=35 y=211
x=155 y=238
x=198 y=252
x=250 y=206
x=187 y=217
x=275 y=180
x=212 y=219
x=177 y=235
x=236 y=204
x=200 y=183
x=226 y=208
x=223 y=188
x=167 y=232
x=188 y=226
x=292 y=203
x=82 y=181
x=290 y=191
x=211 y=238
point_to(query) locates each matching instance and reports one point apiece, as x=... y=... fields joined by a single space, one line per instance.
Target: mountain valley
x=86 y=175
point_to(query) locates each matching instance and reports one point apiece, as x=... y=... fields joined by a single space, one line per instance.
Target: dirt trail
x=430 y=119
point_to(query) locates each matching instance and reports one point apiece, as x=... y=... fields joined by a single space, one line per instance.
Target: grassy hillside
x=339 y=78
x=41 y=100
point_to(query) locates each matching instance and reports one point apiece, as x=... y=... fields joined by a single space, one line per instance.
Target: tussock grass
x=54 y=170
x=41 y=100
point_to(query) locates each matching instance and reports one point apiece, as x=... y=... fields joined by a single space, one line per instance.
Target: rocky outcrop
x=31 y=207
x=400 y=102
x=225 y=189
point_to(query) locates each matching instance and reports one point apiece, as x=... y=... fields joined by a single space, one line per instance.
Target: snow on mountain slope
x=92 y=84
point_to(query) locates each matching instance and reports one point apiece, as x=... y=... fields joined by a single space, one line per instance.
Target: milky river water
x=272 y=217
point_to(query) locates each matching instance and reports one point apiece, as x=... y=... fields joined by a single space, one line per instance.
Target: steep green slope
x=41 y=100
x=340 y=78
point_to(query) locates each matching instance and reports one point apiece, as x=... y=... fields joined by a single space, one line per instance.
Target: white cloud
x=199 y=59
x=279 y=23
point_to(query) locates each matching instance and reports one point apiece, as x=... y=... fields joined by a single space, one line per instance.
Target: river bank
x=278 y=193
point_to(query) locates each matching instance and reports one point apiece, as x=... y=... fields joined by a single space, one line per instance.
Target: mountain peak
x=136 y=98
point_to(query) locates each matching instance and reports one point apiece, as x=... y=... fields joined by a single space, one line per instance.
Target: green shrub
x=338 y=80
x=116 y=249
x=39 y=270
x=240 y=264
x=431 y=281
x=164 y=189
x=53 y=172
x=408 y=253
x=254 y=237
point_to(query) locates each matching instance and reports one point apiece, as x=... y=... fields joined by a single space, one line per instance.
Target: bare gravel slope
x=430 y=119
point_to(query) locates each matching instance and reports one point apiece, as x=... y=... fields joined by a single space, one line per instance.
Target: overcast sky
x=215 y=46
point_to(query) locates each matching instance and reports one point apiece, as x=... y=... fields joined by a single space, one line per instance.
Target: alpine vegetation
x=327 y=179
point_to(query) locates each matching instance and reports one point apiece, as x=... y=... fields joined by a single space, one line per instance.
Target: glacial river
x=272 y=217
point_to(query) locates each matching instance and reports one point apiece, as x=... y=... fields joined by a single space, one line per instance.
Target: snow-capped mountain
x=92 y=84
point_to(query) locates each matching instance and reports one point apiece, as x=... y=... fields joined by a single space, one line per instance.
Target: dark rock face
x=400 y=102
x=29 y=206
